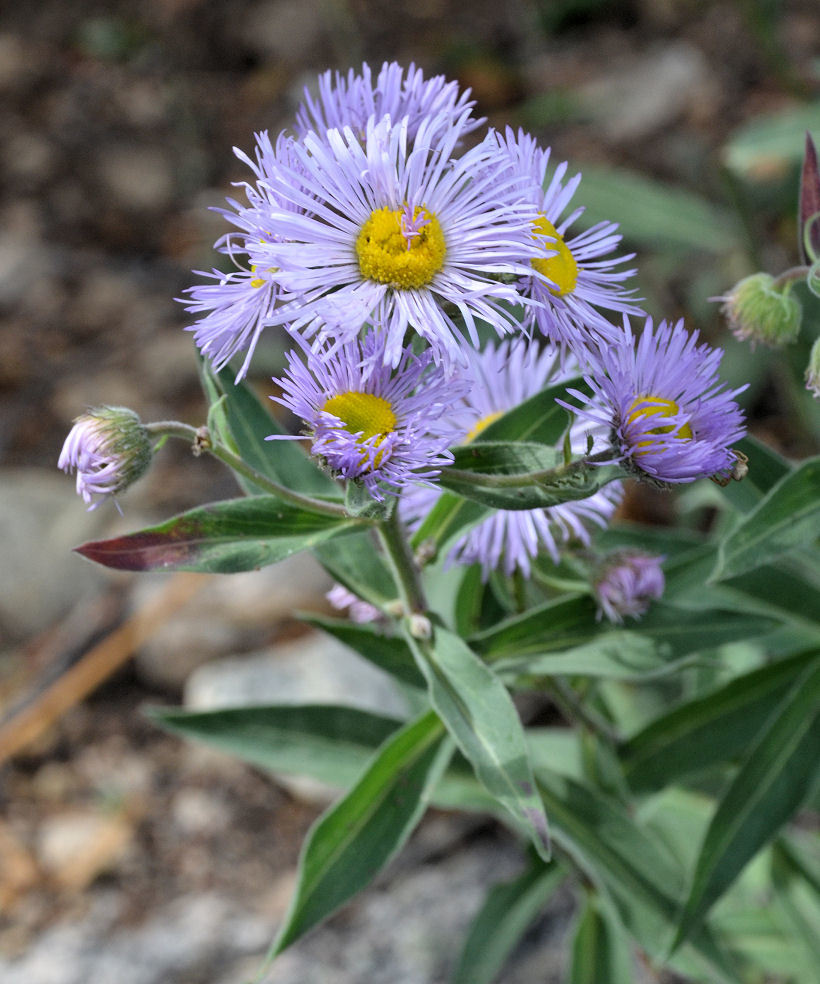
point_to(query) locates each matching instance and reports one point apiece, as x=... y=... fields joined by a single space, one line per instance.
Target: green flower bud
x=109 y=448
x=813 y=370
x=759 y=312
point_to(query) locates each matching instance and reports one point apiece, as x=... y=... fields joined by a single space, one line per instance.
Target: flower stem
x=201 y=440
x=574 y=709
x=790 y=275
x=403 y=567
x=523 y=479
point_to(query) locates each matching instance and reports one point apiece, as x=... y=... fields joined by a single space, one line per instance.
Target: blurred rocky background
x=126 y=855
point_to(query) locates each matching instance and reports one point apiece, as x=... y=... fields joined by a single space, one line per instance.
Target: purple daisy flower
x=350 y=101
x=239 y=305
x=572 y=278
x=669 y=415
x=503 y=377
x=626 y=583
x=367 y=421
x=109 y=449
x=405 y=236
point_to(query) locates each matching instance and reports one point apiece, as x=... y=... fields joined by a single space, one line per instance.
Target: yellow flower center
x=258 y=282
x=481 y=424
x=390 y=252
x=364 y=414
x=649 y=406
x=560 y=267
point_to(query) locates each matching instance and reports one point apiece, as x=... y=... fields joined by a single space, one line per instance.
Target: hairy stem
x=403 y=566
x=202 y=441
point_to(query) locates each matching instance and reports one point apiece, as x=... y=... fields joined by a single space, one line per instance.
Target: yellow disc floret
x=480 y=425
x=560 y=267
x=362 y=413
x=643 y=407
x=390 y=255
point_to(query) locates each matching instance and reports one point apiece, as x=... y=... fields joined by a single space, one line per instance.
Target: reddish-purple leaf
x=809 y=202
x=222 y=537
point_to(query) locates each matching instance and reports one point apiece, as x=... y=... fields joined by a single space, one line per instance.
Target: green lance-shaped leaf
x=708 y=730
x=331 y=744
x=361 y=832
x=599 y=951
x=245 y=422
x=480 y=715
x=539 y=419
x=504 y=475
x=357 y=564
x=222 y=537
x=570 y=623
x=788 y=517
x=766 y=468
x=769 y=146
x=617 y=655
x=389 y=652
x=630 y=864
x=655 y=214
x=508 y=911
x=797 y=897
x=774 y=779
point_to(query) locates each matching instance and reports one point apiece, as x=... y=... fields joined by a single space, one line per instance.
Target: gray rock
x=41 y=520
x=228 y=609
x=141 y=178
x=314 y=669
x=641 y=94
x=284 y=30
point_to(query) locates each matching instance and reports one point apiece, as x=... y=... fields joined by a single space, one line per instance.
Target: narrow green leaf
x=788 y=517
x=539 y=419
x=449 y=518
x=630 y=864
x=389 y=652
x=249 y=423
x=358 y=565
x=221 y=537
x=798 y=901
x=766 y=468
x=715 y=728
x=599 y=951
x=331 y=744
x=480 y=715
x=769 y=145
x=360 y=833
x=508 y=911
x=620 y=655
x=570 y=623
x=774 y=779
x=651 y=213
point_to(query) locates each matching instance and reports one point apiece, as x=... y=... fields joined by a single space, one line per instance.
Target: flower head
x=758 y=312
x=367 y=421
x=670 y=417
x=236 y=307
x=573 y=277
x=503 y=377
x=350 y=101
x=626 y=583
x=109 y=449
x=406 y=236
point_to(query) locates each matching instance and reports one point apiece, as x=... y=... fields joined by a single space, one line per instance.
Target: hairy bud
x=761 y=313
x=109 y=449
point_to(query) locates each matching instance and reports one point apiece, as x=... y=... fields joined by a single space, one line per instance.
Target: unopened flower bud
x=813 y=370
x=759 y=312
x=358 y=609
x=625 y=584
x=109 y=449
